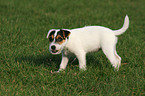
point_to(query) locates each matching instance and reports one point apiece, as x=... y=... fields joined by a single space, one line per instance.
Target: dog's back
x=89 y=37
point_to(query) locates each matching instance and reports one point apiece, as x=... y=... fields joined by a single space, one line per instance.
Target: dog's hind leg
x=119 y=59
x=111 y=54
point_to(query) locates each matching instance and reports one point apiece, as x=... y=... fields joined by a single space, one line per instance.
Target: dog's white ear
x=51 y=30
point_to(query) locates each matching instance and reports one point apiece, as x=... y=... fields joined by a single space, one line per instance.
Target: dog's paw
x=116 y=68
x=55 y=72
x=83 y=69
x=59 y=71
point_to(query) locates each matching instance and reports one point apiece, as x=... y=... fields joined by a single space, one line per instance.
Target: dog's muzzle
x=53 y=50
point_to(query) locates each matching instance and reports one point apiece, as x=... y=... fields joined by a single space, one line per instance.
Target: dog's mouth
x=55 y=51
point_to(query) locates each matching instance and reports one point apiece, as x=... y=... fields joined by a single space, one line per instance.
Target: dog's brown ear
x=50 y=31
x=66 y=33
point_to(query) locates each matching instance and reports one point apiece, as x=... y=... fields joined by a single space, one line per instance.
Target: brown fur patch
x=63 y=34
x=51 y=36
x=59 y=41
x=58 y=36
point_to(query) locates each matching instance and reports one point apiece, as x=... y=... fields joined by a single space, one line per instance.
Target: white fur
x=89 y=39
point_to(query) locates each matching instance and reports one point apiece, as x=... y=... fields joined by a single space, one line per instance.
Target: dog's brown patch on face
x=51 y=36
x=59 y=39
x=61 y=36
x=61 y=42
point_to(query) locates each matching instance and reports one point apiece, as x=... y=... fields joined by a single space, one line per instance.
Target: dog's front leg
x=64 y=62
x=82 y=60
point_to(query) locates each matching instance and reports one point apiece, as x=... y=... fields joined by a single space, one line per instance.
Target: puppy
x=80 y=41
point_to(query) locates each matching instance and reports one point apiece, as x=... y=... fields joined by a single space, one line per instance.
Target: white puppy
x=83 y=40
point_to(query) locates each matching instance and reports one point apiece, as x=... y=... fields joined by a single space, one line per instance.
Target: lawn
x=25 y=62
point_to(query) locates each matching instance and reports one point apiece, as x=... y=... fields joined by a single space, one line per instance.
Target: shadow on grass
x=94 y=61
x=40 y=59
x=50 y=60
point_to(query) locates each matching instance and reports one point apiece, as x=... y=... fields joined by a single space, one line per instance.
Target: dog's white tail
x=124 y=28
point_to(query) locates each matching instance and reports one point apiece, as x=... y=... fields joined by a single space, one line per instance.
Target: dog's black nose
x=53 y=47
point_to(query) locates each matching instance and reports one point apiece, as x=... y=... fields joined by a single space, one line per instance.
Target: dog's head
x=57 y=39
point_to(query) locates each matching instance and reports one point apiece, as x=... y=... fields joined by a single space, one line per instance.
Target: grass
x=26 y=63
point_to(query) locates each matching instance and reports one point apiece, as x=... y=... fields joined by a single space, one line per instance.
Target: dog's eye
x=50 y=39
x=59 y=39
